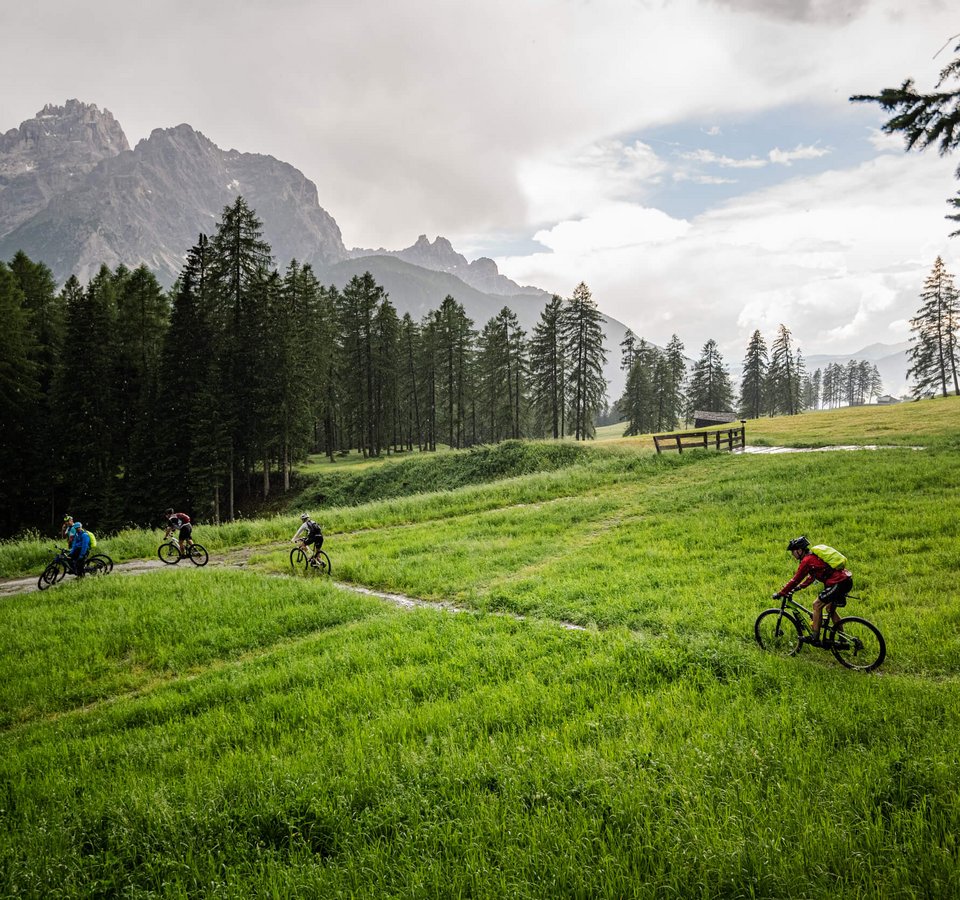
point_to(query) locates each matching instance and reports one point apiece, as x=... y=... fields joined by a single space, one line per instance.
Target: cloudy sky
x=696 y=162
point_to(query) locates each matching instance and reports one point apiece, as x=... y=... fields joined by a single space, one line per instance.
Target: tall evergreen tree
x=755 y=364
x=409 y=389
x=87 y=402
x=670 y=377
x=547 y=368
x=640 y=403
x=240 y=261
x=710 y=387
x=934 y=351
x=43 y=325
x=19 y=396
x=783 y=375
x=583 y=338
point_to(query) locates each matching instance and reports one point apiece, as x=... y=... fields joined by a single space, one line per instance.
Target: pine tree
x=755 y=365
x=670 y=378
x=43 y=308
x=783 y=376
x=925 y=119
x=709 y=387
x=454 y=340
x=240 y=262
x=495 y=409
x=547 y=367
x=640 y=403
x=87 y=402
x=409 y=389
x=583 y=337
x=19 y=395
x=934 y=354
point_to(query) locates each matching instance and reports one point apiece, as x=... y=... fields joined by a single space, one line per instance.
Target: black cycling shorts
x=185 y=531
x=314 y=539
x=837 y=593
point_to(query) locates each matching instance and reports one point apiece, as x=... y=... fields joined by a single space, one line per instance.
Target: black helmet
x=170 y=511
x=800 y=543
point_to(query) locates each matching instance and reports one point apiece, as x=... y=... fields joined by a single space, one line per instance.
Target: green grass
x=246 y=732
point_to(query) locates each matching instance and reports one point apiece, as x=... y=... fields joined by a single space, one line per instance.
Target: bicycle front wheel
x=298 y=558
x=53 y=573
x=777 y=632
x=169 y=553
x=858 y=644
x=198 y=554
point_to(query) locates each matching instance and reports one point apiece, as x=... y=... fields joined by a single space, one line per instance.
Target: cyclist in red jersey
x=182 y=521
x=837 y=583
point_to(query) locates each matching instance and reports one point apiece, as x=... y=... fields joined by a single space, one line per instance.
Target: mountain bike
x=61 y=565
x=301 y=558
x=855 y=642
x=170 y=553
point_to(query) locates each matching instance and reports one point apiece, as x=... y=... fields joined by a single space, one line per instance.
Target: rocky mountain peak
x=439 y=255
x=50 y=153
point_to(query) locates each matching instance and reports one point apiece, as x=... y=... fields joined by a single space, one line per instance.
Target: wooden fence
x=720 y=439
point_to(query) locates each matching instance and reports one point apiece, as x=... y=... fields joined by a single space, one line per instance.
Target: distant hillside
x=890 y=359
x=416 y=290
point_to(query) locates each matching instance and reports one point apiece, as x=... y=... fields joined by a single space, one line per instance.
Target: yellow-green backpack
x=833 y=558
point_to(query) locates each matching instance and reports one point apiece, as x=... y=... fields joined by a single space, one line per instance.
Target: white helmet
x=304 y=517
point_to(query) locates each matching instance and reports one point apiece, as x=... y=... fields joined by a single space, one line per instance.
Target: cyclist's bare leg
x=818 y=605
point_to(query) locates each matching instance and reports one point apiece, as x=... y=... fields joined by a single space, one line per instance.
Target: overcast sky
x=696 y=162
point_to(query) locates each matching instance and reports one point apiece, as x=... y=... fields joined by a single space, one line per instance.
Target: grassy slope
x=229 y=732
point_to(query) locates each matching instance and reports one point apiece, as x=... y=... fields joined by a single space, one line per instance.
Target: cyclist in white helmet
x=312 y=534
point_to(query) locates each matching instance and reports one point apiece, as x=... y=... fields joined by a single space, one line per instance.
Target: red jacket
x=811 y=569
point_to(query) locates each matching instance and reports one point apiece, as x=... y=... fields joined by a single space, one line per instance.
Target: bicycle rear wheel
x=322 y=563
x=102 y=557
x=858 y=644
x=298 y=558
x=169 y=553
x=198 y=554
x=777 y=632
x=95 y=566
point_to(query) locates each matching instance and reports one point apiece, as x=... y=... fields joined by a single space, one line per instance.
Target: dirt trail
x=238 y=559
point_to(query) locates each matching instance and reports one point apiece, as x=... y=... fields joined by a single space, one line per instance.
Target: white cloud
x=708 y=157
x=787 y=157
x=839 y=257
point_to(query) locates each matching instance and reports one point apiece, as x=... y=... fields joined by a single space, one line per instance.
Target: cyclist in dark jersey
x=312 y=534
x=182 y=521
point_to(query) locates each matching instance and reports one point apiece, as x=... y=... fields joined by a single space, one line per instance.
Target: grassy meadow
x=239 y=731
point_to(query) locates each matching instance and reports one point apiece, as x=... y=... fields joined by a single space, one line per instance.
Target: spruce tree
x=783 y=376
x=43 y=308
x=754 y=377
x=926 y=119
x=934 y=351
x=19 y=396
x=709 y=387
x=670 y=376
x=547 y=366
x=640 y=403
x=583 y=337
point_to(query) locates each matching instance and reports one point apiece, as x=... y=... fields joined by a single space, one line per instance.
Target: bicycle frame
x=827 y=628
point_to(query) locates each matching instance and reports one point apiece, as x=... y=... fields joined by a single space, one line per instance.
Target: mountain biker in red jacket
x=182 y=521
x=837 y=584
